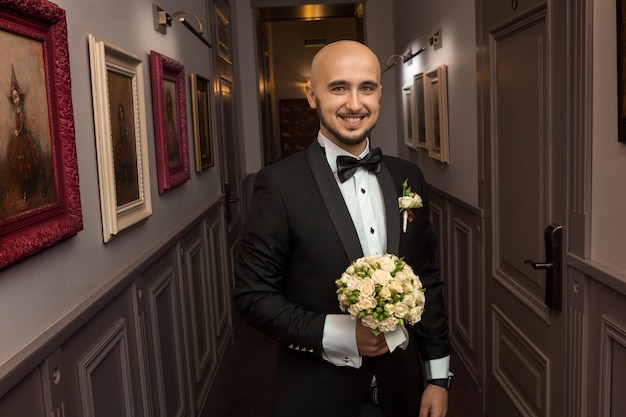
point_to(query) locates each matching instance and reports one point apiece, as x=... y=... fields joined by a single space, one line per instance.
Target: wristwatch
x=443 y=382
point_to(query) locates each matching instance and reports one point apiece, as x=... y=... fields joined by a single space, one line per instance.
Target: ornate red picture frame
x=39 y=189
x=169 y=104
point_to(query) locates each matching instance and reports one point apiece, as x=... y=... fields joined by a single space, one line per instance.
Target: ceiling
x=310 y=12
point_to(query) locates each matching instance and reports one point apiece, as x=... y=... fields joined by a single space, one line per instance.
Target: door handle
x=227 y=194
x=553 y=265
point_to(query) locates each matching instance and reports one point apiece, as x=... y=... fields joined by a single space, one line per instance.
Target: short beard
x=345 y=140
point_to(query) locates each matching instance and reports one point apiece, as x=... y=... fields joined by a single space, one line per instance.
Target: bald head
x=346 y=50
x=345 y=90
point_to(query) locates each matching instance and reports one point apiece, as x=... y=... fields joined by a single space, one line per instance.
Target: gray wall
x=455 y=19
x=608 y=204
x=47 y=289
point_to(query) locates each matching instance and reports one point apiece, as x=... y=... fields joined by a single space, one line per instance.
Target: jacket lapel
x=391 y=210
x=333 y=200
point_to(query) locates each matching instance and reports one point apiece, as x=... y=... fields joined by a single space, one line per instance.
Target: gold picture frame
x=408 y=111
x=201 y=112
x=436 y=106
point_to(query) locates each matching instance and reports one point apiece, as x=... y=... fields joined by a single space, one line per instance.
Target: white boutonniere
x=407 y=202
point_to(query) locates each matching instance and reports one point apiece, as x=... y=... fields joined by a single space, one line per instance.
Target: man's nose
x=353 y=101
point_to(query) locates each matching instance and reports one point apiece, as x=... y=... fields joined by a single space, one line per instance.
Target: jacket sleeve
x=260 y=268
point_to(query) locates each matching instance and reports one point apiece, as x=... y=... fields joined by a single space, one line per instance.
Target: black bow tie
x=347 y=165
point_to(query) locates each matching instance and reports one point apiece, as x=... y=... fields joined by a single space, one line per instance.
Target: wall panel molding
x=612 y=364
x=531 y=366
x=458 y=226
x=104 y=375
x=577 y=339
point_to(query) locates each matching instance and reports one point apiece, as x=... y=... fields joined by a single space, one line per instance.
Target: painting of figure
x=123 y=137
x=171 y=124
x=26 y=165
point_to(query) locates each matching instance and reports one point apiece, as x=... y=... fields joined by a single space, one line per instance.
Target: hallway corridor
x=244 y=384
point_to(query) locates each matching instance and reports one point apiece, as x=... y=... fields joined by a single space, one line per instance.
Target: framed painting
x=621 y=70
x=436 y=99
x=201 y=112
x=408 y=114
x=39 y=189
x=419 y=127
x=121 y=138
x=170 y=121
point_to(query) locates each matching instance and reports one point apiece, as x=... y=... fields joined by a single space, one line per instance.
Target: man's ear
x=310 y=96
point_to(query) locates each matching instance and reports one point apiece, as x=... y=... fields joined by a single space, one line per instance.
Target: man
x=307 y=223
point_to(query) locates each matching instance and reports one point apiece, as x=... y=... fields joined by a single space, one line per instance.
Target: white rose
x=353 y=283
x=420 y=297
x=354 y=310
x=401 y=309
x=370 y=259
x=367 y=302
x=404 y=275
x=367 y=287
x=381 y=277
x=388 y=324
x=410 y=201
x=385 y=293
x=409 y=300
x=415 y=315
x=387 y=263
x=343 y=298
x=395 y=285
x=370 y=322
x=390 y=309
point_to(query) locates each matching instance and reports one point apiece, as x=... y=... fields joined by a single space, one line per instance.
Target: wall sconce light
x=162 y=20
x=434 y=41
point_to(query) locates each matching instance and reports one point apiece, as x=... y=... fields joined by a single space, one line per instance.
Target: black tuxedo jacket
x=298 y=239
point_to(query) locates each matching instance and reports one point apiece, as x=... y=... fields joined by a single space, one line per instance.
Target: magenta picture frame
x=170 y=121
x=39 y=188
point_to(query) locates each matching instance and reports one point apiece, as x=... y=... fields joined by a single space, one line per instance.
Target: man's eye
x=339 y=89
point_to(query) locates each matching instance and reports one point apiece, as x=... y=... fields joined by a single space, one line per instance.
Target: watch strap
x=442 y=382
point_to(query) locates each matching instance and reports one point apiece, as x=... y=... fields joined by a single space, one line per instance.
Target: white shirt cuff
x=437 y=368
x=339 y=341
x=398 y=338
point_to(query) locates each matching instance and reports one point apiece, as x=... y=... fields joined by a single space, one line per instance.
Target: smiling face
x=345 y=89
x=15 y=96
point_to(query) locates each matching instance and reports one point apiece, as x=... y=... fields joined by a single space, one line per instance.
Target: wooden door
x=230 y=169
x=524 y=104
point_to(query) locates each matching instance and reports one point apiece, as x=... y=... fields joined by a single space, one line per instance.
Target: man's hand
x=434 y=401
x=368 y=343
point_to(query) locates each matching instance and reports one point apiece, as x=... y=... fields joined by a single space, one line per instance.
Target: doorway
x=287 y=39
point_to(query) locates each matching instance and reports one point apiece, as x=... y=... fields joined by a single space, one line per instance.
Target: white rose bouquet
x=383 y=291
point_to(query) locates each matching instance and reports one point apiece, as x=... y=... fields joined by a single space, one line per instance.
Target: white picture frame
x=121 y=137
